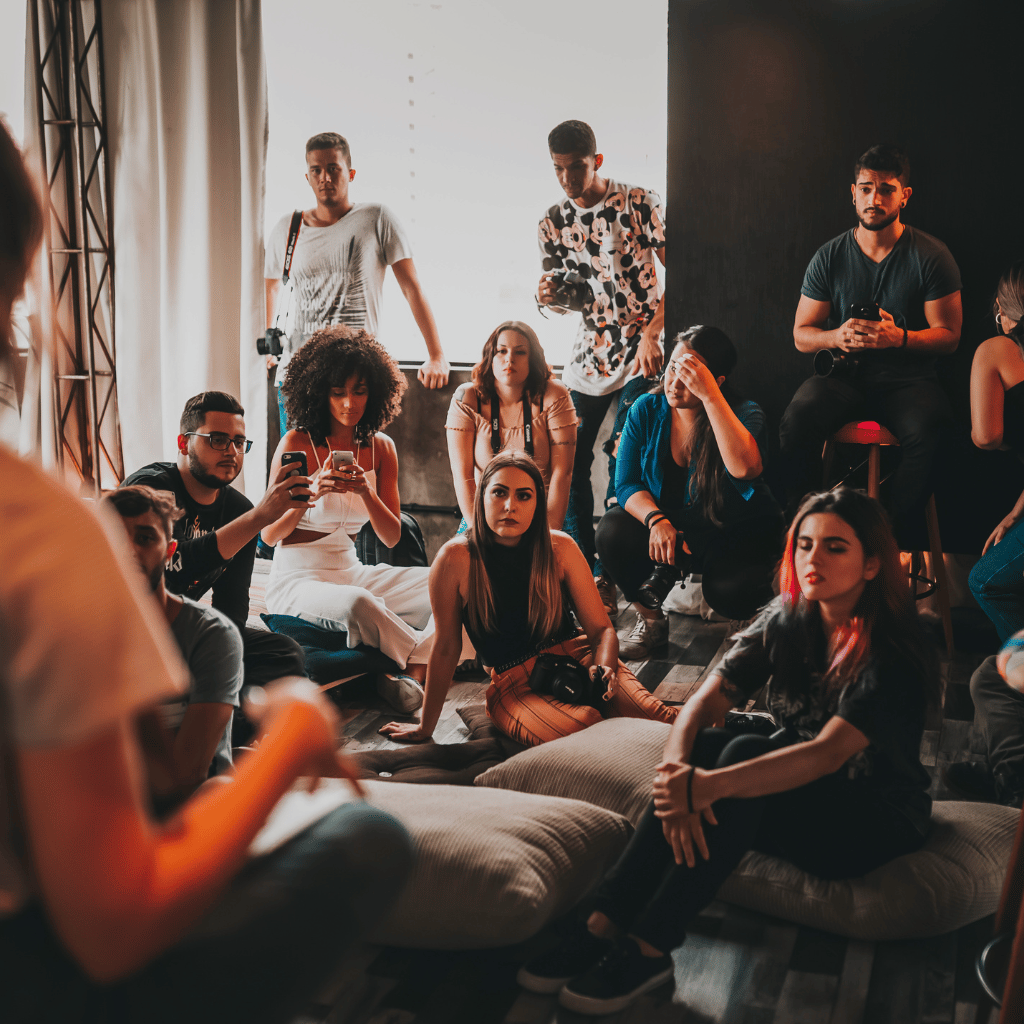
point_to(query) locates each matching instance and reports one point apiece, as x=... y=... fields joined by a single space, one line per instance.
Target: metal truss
x=68 y=49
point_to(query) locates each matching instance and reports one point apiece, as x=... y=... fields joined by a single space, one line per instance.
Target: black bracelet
x=651 y=515
x=689 y=791
x=904 y=345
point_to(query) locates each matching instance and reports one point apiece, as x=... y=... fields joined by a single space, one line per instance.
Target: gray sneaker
x=643 y=639
x=402 y=692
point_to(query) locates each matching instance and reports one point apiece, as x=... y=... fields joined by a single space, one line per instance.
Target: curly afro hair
x=330 y=357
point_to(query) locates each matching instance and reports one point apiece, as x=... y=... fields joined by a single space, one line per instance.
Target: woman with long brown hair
x=513 y=582
x=838 y=791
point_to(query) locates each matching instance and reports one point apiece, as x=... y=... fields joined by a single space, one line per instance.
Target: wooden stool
x=874 y=435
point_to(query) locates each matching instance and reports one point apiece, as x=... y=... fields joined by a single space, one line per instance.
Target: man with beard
x=913 y=280
x=216 y=537
x=198 y=727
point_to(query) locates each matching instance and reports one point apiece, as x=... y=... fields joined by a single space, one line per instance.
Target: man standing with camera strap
x=914 y=282
x=598 y=248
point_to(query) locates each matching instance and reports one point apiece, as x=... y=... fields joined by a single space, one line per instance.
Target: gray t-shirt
x=917 y=270
x=337 y=272
x=212 y=648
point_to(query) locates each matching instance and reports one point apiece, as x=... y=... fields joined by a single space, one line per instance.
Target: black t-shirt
x=919 y=269
x=197 y=565
x=886 y=702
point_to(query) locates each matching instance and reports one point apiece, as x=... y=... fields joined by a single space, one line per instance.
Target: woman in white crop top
x=342 y=388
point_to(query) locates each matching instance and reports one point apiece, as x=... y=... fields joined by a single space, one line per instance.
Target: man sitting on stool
x=915 y=284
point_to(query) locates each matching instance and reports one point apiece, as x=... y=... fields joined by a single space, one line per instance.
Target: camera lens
x=656 y=587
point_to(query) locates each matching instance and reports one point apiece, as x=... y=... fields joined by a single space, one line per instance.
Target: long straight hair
x=885 y=614
x=708 y=469
x=538 y=375
x=545 y=595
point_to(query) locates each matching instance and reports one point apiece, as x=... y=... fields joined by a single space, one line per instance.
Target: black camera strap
x=496 y=424
x=289 y=249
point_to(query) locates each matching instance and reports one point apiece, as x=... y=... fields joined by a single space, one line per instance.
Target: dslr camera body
x=565 y=679
x=829 y=362
x=270 y=343
x=571 y=289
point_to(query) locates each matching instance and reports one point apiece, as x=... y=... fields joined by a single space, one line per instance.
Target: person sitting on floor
x=216 y=537
x=838 y=791
x=342 y=389
x=200 y=725
x=511 y=390
x=691 y=497
x=514 y=583
x=106 y=914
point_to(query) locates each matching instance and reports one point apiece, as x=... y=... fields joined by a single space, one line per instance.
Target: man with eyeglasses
x=217 y=534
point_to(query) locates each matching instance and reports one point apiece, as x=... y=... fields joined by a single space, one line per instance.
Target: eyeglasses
x=221 y=442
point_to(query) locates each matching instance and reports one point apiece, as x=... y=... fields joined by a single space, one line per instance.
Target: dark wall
x=770 y=103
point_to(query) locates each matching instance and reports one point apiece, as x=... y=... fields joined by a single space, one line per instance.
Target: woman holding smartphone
x=342 y=389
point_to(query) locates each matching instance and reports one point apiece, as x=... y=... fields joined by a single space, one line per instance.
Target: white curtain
x=187 y=131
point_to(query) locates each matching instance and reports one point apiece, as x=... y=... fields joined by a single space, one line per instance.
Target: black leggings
x=737 y=560
x=831 y=828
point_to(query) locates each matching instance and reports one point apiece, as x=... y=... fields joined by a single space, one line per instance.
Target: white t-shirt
x=612 y=246
x=82 y=645
x=337 y=272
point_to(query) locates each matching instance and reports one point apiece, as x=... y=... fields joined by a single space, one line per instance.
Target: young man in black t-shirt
x=915 y=282
x=217 y=535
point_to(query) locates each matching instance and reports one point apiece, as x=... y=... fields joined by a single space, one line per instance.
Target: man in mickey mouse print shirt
x=608 y=234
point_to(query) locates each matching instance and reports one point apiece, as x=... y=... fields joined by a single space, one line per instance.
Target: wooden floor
x=736 y=966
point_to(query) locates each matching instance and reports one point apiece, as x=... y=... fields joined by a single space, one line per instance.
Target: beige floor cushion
x=956 y=878
x=493 y=867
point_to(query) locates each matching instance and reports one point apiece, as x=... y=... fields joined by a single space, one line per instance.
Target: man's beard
x=878 y=225
x=195 y=467
x=156 y=577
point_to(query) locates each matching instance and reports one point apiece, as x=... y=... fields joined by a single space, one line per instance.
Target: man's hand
x=662 y=547
x=857 y=335
x=546 y=289
x=434 y=373
x=272 y=361
x=650 y=356
x=279 y=497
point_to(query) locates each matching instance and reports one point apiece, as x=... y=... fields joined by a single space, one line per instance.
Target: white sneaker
x=402 y=692
x=687 y=598
x=643 y=639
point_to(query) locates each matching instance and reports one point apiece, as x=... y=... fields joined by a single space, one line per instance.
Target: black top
x=197 y=565
x=886 y=703
x=1013 y=419
x=513 y=641
x=919 y=269
x=675 y=479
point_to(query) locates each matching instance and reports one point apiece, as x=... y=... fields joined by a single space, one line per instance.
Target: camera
x=830 y=362
x=571 y=290
x=270 y=343
x=565 y=679
x=656 y=587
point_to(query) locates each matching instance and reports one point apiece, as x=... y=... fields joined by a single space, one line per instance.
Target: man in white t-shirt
x=598 y=248
x=339 y=261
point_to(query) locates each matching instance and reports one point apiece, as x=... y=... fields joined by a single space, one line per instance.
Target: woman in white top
x=489 y=415
x=342 y=388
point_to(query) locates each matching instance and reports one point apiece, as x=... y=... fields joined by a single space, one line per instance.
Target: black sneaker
x=548 y=972
x=970 y=780
x=618 y=978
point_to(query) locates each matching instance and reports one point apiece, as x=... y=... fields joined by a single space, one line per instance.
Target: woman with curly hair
x=512 y=403
x=342 y=389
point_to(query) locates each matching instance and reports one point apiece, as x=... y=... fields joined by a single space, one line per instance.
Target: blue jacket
x=644 y=447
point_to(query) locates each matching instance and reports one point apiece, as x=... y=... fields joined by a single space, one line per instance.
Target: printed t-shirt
x=337 y=272
x=83 y=647
x=612 y=245
x=919 y=269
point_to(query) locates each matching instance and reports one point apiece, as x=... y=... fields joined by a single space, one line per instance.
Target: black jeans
x=916 y=410
x=266 y=656
x=999 y=718
x=258 y=956
x=830 y=828
x=737 y=560
x=590 y=414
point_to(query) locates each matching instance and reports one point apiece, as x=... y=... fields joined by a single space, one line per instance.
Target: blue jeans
x=259 y=955
x=281 y=413
x=590 y=414
x=997 y=583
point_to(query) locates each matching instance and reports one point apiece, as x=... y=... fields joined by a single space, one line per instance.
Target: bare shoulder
x=453 y=559
x=998 y=351
x=464 y=392
x=555 y=390
x=385 y=445
x=565 y=548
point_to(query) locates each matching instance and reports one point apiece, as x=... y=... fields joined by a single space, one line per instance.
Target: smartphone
x=342 y=459
x=296 y=459
x=864 y=311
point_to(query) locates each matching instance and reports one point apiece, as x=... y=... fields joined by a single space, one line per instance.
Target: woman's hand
x=405 y=732
x=686 y=833
x=683 y=828
x=611 y=678
x=699 y=380
x=662 y=545
x=1005 y=525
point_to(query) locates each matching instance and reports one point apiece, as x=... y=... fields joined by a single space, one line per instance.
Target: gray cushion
x=956 y=878
x=492 y=868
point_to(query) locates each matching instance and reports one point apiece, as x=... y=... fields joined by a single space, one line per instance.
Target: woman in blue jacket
x=690 y=493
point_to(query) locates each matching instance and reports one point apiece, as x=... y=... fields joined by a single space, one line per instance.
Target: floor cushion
x=956 y=878
x=328 y=656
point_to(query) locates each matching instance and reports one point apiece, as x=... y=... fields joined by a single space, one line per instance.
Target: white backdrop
x=187 y=115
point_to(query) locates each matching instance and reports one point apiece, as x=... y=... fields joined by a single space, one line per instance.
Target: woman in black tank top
x=514 y=584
